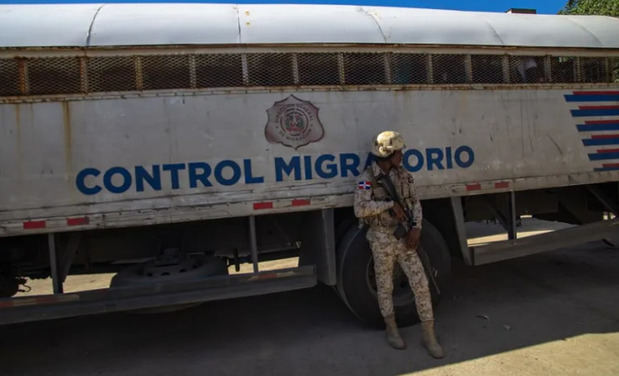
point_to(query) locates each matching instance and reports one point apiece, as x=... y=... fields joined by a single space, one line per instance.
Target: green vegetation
x=599 y=7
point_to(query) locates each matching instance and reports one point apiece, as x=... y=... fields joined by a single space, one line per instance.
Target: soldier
x=382 y=215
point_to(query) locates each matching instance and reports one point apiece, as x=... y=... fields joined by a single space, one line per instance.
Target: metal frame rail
x=45 y=307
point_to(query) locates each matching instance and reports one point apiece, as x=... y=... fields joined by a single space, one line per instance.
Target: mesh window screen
x=594 y=69
x=409 y=69
x=318 y=69
x=487 y=69
x=219 y=70
x=563 y=69
x=116 y=73
x=448 y=69
x=175 y=71
x=364 y=69
x=9 y=77
x=165 y=72
x=270 y=69
x=526 y=69
x=54 y=75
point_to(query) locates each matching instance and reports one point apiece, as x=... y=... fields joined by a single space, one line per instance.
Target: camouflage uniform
x=372 y=207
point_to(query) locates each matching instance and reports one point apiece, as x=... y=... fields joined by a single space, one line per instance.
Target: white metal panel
x=528 y=137
x=484 y=28
x=548 y=31
x=307 y=24
x=160 y=24
x=429 y=26
x=604 y=28
x=45 y=25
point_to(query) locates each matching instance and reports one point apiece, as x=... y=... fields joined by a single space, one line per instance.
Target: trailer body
x=217 y=137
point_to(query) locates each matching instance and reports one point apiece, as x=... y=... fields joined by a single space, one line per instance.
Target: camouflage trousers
x=387 y=250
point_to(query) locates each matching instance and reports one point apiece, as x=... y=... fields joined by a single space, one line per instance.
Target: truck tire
x=357 y=287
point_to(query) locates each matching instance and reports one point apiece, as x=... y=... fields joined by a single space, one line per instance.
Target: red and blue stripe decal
x=601 y=130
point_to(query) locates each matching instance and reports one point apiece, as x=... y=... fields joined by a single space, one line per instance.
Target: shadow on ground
x=490 y=310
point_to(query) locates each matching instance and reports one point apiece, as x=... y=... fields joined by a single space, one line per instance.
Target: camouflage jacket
x=372 y=203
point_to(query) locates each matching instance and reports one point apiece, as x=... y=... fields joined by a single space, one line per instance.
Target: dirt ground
x=549 y=314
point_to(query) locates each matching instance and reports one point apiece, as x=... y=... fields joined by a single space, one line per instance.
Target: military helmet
x=386 y=143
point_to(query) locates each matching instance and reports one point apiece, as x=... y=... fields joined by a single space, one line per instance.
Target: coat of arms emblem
x=293 y=122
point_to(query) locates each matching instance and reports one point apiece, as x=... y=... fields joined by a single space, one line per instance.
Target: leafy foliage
x=598 y=7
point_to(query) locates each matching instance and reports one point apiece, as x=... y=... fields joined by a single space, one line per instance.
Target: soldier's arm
x=413 y=201
x=365 y=206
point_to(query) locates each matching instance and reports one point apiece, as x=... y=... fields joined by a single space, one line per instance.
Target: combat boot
x=429 y=340
x=393 y=335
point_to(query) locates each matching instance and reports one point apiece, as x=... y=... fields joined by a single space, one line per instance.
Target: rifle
x=405 y=226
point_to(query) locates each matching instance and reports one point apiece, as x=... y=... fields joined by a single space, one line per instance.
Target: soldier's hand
x=412 y=238
x=398 y=212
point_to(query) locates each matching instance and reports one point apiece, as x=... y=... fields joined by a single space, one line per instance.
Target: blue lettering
x=349 y=162
x=201 y=176
x=174 y=168
x=434 y=156
x=326 y=166
x=236 y=172
x=81 y=185
x=448 y=157
x=142 y=175
x=470 y=158
x=307 y=164
x=331 y=167
x=281 y=167
x=107 y=180
x=406 y=160
x=249 y=179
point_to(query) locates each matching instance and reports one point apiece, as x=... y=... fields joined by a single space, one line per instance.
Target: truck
x=183 y=146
